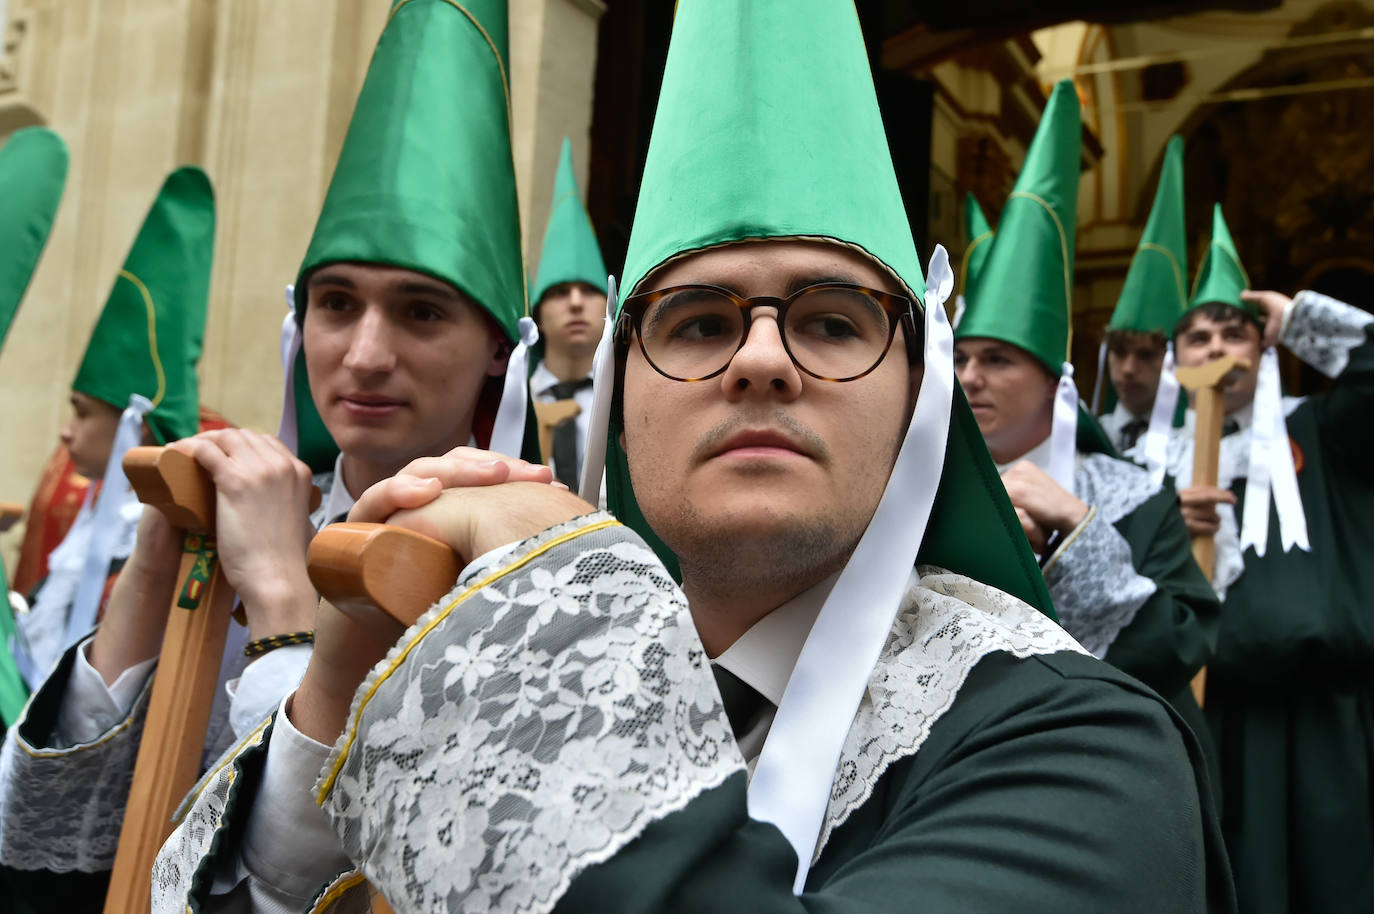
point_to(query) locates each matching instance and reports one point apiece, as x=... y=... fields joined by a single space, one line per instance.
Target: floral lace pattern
x=1092 y=578
x=948 y=623
x=530 y=726
x=202 y=817
x=1323 y=331
x=62 y=809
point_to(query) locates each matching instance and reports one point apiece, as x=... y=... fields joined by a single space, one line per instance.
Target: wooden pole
x=548 y=416
x=9 y=514
x=169 y=754
x=1208 y=382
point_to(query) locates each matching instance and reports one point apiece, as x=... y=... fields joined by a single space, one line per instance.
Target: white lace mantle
x=530 y=725
x=948 y=623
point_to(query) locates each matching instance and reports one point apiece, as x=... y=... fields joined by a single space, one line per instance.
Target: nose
x=576 y=300
x=762 y=365
x=67 y=434
x=370 y=348
x=1214 y=348
x=969 y=375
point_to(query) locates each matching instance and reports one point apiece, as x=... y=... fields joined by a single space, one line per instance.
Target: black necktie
x=1229 y=427
x=1131 y=432
x=742 y=701
x=566 y=462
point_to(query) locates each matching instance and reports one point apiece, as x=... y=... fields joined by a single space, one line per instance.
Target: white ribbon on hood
x=508 y=434
x=794 y=777
x=115 y=493
x=598 y=423
x=1271 y=468
x=1064 y=431
x=290 y=348
x=1155 y=451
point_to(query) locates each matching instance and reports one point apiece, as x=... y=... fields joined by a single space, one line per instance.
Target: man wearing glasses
x=809 y=713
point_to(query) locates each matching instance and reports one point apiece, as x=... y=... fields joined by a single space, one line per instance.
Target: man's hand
x=262 y=525
x=1271 y=305
x=484 y=514
x=1199 y=507
x=136 y=616
x=1042 y=504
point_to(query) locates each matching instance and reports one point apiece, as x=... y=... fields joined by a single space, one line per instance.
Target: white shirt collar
x=1038 y=455
x=339 y=501
x=1122 y=415
x=766 y=654
x=1243 y=418
x=541 y=379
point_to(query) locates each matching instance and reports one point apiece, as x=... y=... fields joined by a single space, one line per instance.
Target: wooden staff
x=363 y=569
x=1208 y=382
x=9 y=514
x=169 y=755
x=549 y=416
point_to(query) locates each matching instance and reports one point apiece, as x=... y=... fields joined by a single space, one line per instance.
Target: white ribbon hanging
x=1155 y=451
x=793 y=780
x=1271 y=468
x=290 y=347
x=1064 y=431
x=114 y=494
x=960 y=306
x=508 y=434
x=598 y=423
x=1101 y=381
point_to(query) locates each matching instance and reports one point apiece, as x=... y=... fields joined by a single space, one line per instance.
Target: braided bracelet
x=261 y=646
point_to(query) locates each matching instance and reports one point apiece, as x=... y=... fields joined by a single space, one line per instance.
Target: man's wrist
x=274 y=607
x=1076 y=513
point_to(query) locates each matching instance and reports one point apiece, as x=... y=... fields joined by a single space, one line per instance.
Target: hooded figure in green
x=141 y=359
x=425 y=182
x=979 y=233
x=33 y=171
x=1022 y=293
x=1152 y=300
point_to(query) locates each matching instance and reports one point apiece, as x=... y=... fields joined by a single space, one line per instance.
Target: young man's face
x=571 y=316
x=89 y=434
x=1134 y=361
x=1010 y=392
x=762 y=470
x=396 y=360
x=1205 y=340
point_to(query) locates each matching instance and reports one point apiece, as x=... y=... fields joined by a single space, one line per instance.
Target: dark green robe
x=1290 y=694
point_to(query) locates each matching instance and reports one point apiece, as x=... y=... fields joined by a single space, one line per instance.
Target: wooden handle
x=175 y=484
x=169 y=754
x=550 y=415
x=362 y=568
x=9 y=514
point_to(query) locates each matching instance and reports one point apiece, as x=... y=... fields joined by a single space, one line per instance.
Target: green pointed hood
x=753 y=140
x=1156 y=291
x=980 y=234
x=1023 y=292
x=425 y=180
x=33 y=171
x=1220 y=277
x=570 y=252
x=148 y=337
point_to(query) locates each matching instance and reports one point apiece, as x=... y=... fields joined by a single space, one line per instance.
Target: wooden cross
x=9 y=514
x=549 y=416
x=173 y=741
x=1208 y=382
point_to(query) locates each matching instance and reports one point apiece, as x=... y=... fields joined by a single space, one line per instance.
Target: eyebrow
x=797 y=283
x=406 y=286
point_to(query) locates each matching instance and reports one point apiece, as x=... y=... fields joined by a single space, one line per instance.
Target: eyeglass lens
x=831 y=332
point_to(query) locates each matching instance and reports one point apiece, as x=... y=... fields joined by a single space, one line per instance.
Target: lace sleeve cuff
x=529 y=726
x=1323 y=331
x=1094 y=584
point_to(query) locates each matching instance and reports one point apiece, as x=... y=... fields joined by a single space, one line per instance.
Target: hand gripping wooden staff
x=1208 y=382
x=362 y=569
x=188 y=670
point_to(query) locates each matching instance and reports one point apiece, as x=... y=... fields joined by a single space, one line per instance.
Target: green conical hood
x=1156 y=291
x=1220 y=277
x=768 y=127
x=148 y=338
x=1023 y=292
x=570 y=252
x=33 y=171
x=979 y=233
x=425 y=180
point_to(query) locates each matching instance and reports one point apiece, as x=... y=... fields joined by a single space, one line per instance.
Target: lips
x=759 y=442
x=370 y=405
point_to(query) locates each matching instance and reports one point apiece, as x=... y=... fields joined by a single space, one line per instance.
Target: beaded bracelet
x=272 y=642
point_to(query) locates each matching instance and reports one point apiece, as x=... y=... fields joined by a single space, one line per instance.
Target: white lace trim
x=1323 y=331
x=948 y=623
x=202 y=817
x=529 y=727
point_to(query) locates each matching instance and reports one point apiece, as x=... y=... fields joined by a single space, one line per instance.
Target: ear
x=499 y=358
